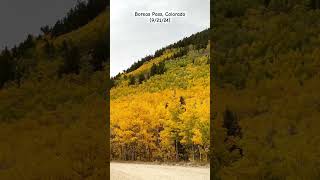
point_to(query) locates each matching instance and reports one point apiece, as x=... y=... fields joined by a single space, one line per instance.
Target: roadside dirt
x=130 y=171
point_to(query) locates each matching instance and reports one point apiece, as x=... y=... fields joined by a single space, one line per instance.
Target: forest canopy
x=48 y=86
x=265 y=78
x=160 y=108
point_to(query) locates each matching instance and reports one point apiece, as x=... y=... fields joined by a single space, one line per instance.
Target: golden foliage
x=165 y=118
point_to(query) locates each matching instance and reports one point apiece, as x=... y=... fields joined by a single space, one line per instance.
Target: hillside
x=160 y=111
x=89 y=33
x=266 y=90
x=48 y=128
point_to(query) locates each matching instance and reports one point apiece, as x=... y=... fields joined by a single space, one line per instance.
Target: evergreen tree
x=71 y=56
x=157 y=69
x=132 y=80
x=182 y=101
x=49 y=48
x=198 y=39
x=161 y=68
x=7 y=67
x=100 y=54
x=266 y=3
x=153 y=70
x=15 y=52
x=230 y=122
x=78 y=16
x=314 y=4
x=45 y=30
x=141 y=78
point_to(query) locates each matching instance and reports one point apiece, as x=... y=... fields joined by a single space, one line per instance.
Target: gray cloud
x=133 y=38
x=20 y=17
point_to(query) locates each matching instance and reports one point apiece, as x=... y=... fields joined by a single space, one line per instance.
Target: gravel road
x=130 y=171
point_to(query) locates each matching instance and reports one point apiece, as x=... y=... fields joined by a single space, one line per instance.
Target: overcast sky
x=134 y=37
x=21 y=17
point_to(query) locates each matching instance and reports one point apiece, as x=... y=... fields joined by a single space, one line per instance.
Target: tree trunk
x=193 y=152
x=177 y=153
x=200 y=152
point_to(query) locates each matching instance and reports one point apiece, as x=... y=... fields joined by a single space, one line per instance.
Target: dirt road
x=124 y=171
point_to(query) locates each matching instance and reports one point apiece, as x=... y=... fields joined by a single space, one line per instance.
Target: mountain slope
x=87 y=35
x=48 y=128
x=163 y=116
x=266 y=84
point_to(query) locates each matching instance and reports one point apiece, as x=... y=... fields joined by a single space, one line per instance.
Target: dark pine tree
x=157 y=69
x=49 y=48
x=141 y=78
x=153 y=70
x=71 y=63
x=266 y=2
x=231 y=123
x=314 y=4
x=7 y=67
x=81 y=14
x=100 y=54
x=132 y=80
x=182 y=101
x=45 y=29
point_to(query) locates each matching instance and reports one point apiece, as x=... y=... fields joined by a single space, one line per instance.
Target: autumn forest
x=242 y=96
x=160 y=108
